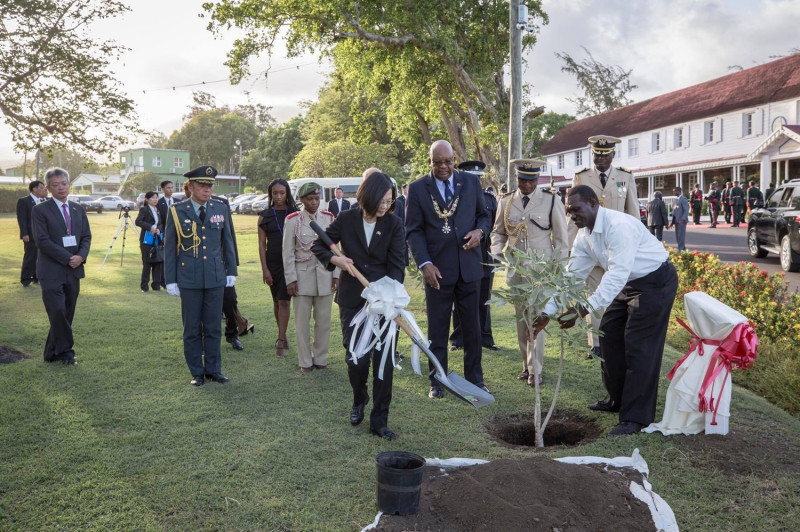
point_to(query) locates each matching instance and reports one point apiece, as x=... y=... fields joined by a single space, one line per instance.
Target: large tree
x=604 y=87
x=541 y=129
x=438 y=64
x=272 y=157
x=344 y=158
x=56 y=89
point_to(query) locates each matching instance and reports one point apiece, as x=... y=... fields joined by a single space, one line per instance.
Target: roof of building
x=774 y=81
x=97 y=178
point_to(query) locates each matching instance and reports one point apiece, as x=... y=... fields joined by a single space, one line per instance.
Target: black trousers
x=202 y=330
x=358 y=373
x=229 y=303
x=634 y=331
x=31 y=252
x=59 y=298
x=657 y=231
x=439 y=304
x=484 y=315
x=696 y=210
x=148 y=268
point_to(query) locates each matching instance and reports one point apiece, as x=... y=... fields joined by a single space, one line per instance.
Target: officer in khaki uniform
x=307 y=280
x=616 y=190
x=199 y=263
x=530 y=218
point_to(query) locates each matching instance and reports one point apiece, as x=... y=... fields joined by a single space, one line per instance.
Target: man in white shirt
x=637 y=289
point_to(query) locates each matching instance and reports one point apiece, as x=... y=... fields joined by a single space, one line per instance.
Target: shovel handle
x=352 y=270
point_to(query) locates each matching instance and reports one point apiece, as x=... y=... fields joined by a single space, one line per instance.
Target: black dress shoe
x=624 y=428
x=606 y=405
x=197 y=380
x=454 y=347
x=357 y=413
x=218 y=377
x=436 y=392
x=70 y=361
x=235 y=343
x=492 y=347
x=593 y=353
x=483 y=387
x=384 y=433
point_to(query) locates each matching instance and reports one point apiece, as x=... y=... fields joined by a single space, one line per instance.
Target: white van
x=349 y=186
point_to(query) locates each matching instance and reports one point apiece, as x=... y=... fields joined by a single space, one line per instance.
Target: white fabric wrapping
x=386 y=299
x=710 y=319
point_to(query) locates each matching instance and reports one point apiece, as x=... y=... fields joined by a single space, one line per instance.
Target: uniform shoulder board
x=582 y=170
x=621 y=169
x=293 y=215
x=329 y=213
x=553 y=191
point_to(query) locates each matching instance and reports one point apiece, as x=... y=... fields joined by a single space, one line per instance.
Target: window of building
x=578 y=158
x=157 y=162
x=658 y=182
x=141 y=160
x=708 y=132
x=656 y=142
x=747 y=124
x=633 y=147
x=178 y=162
x=560 y=162
x=677 y=138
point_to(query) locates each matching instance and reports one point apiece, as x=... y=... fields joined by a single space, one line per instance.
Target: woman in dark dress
x=270 y=250
x=148 y=220
x=374 y=242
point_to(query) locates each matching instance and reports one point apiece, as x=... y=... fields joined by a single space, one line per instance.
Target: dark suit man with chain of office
x=484 y=312
x=616 y=190
x=200 y=262
x=38 y=193
x=63 y=238
x=446 y=218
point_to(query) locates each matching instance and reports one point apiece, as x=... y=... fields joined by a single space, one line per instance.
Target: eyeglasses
x=386 y=204
x=446 y=162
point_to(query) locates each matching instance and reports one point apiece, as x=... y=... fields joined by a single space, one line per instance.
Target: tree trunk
x=424 y=129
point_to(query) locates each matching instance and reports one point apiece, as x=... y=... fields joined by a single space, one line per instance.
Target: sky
x=669 y=45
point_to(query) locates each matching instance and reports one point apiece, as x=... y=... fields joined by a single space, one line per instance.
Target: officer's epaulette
x=329 y=213
x=621 y=169
x=293 y=215
x=553 y=191
x=582 y=170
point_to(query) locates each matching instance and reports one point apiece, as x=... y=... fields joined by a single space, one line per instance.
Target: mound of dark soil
x=9 y=355
x=531 y=494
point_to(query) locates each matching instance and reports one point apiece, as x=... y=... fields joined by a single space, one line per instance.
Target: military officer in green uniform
x=616 y=190
x=737 y=203
x=754 y=197
x=199 y=263
x=530 y=218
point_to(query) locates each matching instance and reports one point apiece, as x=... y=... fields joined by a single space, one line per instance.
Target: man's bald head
x=441 y=160
x=369 y=171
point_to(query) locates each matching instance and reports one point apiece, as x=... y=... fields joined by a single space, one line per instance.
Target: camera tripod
x=124 y=222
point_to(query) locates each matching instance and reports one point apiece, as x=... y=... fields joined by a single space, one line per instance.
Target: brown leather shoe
x=523 y=376
x=321 y=366
x=309 y=369
x=530 y=380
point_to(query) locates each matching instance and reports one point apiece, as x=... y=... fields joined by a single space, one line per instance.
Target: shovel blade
x=462 y=388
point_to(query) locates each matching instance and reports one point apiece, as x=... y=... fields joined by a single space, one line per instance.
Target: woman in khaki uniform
x=308 y=281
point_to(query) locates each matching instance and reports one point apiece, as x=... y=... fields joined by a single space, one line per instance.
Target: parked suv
x=775 y=228
x=88 y=203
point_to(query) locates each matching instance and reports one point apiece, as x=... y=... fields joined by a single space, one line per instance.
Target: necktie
x=603 y=179
x=66 y=218
x=525 y=200
x=448 y=192
x=202 y=213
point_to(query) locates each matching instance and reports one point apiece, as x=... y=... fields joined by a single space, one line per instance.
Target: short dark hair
x=34 y=184
x=51 y=172
x=150 y=194
x=165 y=183
x=372 y=190
x=584 y=193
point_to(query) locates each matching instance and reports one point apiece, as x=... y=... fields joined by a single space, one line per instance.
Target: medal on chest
x=445 y=214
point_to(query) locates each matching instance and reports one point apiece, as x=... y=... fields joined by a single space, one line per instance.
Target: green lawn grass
x=123 y=442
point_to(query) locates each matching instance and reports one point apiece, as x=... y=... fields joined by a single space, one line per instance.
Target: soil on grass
x=9 y=355
x=530 y=494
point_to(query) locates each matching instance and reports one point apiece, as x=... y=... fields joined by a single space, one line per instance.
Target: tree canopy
x=541 y=129
x=437 y=65
x=604 y=87
x=272 y=157
x=344 y=158
x=56 y=89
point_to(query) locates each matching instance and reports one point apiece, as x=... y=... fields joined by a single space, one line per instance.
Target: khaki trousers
x=317 y=354
x=532 y=352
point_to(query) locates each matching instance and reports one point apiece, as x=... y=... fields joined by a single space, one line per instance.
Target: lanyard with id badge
x=69 y=240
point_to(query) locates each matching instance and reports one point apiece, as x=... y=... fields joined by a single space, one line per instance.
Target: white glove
x=172 y=289
x=230 y=281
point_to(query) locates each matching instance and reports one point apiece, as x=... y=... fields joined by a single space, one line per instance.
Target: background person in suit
x=163 y=205
x=657 y=216
x=151 y=222
x=200 y=261
x=446 y=218
x=680 y=218
x=616 y=190
x=63 y=238
x=38 y=193
x=338 y=204
x=714 y=199
x=372 y=239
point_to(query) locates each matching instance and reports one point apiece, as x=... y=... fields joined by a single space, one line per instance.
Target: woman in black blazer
x=149 y=220
x=373 y=241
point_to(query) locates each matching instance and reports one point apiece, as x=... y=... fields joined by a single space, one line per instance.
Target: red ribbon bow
x=737 y=350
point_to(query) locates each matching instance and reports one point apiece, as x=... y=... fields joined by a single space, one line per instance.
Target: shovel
x=454 y=383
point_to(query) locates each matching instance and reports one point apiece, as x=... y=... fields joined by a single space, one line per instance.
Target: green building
x=169 y=165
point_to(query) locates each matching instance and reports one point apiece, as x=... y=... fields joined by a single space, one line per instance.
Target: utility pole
x=517 y=18
x=38 y=162
x=239 y=171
